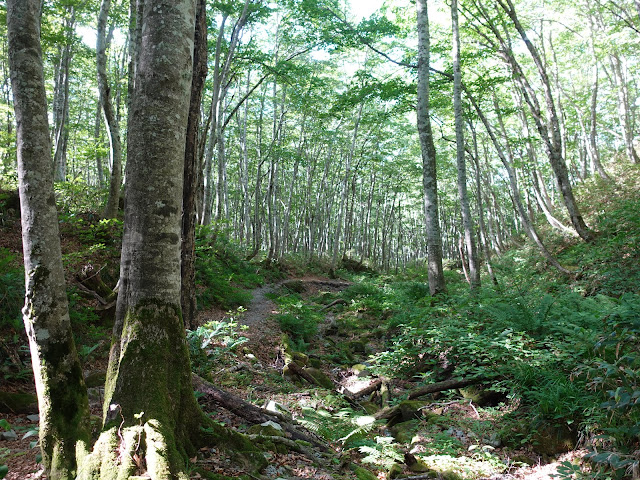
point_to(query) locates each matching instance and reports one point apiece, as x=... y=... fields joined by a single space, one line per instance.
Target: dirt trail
x=261 y=307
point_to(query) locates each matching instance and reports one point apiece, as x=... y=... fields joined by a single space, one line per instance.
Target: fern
x=384 y=452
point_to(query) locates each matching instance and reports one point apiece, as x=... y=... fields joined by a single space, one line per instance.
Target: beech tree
x=151 y=418
x=159 y=414
x=62 y=396
x=430 y=180
x=113 y=127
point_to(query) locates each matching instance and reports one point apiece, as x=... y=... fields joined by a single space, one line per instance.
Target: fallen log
x=389 y=412
x=445 y=385
x=301 y=372
x=365 y=391
x=251 y=413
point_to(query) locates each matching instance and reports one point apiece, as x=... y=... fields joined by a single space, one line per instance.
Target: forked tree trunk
x=62 y=396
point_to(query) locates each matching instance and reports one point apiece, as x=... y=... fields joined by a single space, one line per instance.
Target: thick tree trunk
x=62 y=396
x=113 y=127
x=150 y=411
x=429 y=177
x=191 y=172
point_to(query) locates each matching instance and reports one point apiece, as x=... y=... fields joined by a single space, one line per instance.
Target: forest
x=327 y=239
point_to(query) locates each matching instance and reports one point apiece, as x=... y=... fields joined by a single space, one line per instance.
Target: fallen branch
x=365 y=391
x=445 y=385
x=301 y=372
x=289 y=443
x=387 y=413
x=251 y=413
x=339 y=301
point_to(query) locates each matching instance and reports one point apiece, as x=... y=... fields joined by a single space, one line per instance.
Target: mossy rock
x=18 y=403
x=395 y=471
x=357 y=346
x=553 y=440
x=315 y=362
x=362 y=473
x=410 y=409
x=524 y=459
x=235 y=444
x=360 y=370
x=420 y=467
x=482 y=397
x=300 y=358
x=369 y=407
x=320 y=377
x=265 y=430
x=449 y=475
x=405 y=431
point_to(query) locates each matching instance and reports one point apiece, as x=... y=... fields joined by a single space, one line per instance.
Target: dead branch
x=251 y=413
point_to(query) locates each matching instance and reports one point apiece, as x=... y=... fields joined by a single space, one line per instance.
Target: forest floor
x=255 y=374
x=264 y=341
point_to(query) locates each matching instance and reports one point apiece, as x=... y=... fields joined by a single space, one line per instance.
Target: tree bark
x=62 y=396
x=513 y=182
x=553 y=139
x=113 y=127
x=465 y=210
x=429 y=176
x=61 y=99
x=150 y=411
x=191 y=171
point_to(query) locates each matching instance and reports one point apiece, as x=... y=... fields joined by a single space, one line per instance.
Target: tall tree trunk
x=552 y=141
x=484 y=242
x=515 y=190
x=113 y=127
x=96 y=140
x=467 y=221
x=149 y=404
x=344 y=193
x=62 y=396
x=207 y=203
x=624 y=110
x=429 y=177
x=61 y=99
x=191 y=172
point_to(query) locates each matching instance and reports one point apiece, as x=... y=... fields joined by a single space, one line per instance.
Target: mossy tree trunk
x=150 y=413
x=62 y=396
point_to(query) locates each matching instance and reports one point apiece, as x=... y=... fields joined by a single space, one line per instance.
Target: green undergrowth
x=223 y=277
x=297 y=318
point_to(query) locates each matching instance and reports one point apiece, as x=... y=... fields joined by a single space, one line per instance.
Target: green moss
x=362 y=473
x=18 y=402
